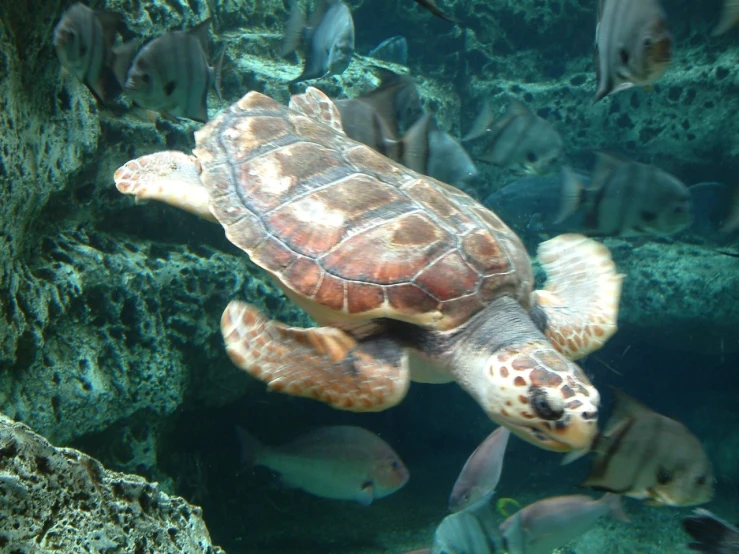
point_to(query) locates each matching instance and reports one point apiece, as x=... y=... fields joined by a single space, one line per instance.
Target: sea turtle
x=409 y=278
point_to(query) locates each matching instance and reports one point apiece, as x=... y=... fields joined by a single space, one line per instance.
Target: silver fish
x=714 y=535
x=481 y=472
x=548 y=524
x=339 y=462
x=633 y=45
x=472 y=530
x=330 y=39
x=83 y=40
x=393 y=49
x=429 y=150
x=729 y=17
x=380 y=116
x=645 y=455
x=627 y=198
x=171 y=74
x=520 y=139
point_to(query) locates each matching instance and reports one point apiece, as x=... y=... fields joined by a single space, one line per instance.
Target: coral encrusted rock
x=61 y=500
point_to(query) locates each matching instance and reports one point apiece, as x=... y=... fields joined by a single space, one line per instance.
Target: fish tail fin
x=571 y=195
x=708 y=530
x=615 y=509
x=251 y=449
x=415 y=144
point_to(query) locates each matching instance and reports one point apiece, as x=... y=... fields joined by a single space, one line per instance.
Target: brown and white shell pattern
x=348 y=233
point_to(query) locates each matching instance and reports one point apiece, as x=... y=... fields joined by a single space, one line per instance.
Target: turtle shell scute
x=349 y=231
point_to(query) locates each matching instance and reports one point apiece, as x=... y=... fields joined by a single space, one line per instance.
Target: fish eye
x=531 y=157
x=648 y=43
x=169 y=88
x=663 y=476
x=83 y=50
x=624 y=55
x=395 y=464
x=145 y=78
x=700 y=480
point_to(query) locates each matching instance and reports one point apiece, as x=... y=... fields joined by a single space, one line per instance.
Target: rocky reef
x=109 y=313
x=59 y=499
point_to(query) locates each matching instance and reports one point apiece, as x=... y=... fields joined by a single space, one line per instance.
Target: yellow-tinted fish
x=633 y=44
x=339 y=462
x=645 y=455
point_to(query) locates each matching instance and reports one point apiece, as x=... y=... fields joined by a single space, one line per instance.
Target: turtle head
x=540 y=396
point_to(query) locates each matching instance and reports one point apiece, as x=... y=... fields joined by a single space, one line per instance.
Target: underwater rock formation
x=117 y=306
x=63 y=500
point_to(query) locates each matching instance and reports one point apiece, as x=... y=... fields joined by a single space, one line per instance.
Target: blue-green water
x=110 y=339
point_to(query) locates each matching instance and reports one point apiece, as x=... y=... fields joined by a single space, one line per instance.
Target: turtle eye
x=544 y=407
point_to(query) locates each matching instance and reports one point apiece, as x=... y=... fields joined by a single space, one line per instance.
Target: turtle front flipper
x=171 y=177
x=322 y=363
x=578 y=308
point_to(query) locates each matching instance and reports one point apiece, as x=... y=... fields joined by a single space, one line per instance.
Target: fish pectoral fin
x=366 y=493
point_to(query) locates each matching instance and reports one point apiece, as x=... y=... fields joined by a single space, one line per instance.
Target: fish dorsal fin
x=112 y=24
x=516 y=108
x=314 y=104
x=319 y=9
x=601 y=6
x=605 y=165
x=482 y=123
x=416 y=144
x=383 y=98
x=200 y=32
x=571 y=194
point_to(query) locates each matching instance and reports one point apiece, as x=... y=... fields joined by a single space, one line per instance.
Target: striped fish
x=171 y=74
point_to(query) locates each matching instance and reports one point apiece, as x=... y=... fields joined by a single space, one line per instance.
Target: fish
x=481 y=472
x=520 y=139
x=633 y=45
x=84 y=40
x=626 y=198
x=339 y=462
x=547 y=524
x=729 y=17
x=329 y=36
x=471 y=530
x=379 y=117
x=430 y=5
x=648 y=456
x=393 y=50
x=171 y=73
x=433 y=152
x=714 y=535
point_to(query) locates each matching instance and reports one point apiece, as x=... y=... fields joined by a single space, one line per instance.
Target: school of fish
x=639 y=453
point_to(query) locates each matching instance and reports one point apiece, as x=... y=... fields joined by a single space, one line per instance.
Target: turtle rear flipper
x=171 y=177
x=578 y=308
x=322 y=363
